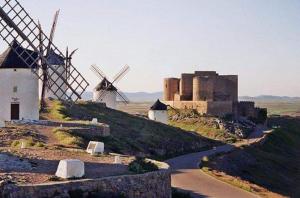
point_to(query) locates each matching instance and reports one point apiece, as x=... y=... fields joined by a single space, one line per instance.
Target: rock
x=70 y=168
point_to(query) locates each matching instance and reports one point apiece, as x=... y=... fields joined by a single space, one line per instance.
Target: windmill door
x=15 y=111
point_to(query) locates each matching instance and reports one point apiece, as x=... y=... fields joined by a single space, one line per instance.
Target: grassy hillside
x=190 y=120
x=129 y=134
x=274 y=165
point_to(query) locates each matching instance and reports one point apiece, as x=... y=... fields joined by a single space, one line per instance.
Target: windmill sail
x=17 y=26
x=105 y=86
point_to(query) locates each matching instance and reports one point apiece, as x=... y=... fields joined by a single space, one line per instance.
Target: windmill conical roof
x=10 y=59
x=159 y=106
x=105 y=85
x=55 y=59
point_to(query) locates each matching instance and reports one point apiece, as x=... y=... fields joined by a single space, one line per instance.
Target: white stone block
x=70 y=168
x=2 y=124
x=95 y=147
x=94 y=121
x=117 y=160
x=23 y=145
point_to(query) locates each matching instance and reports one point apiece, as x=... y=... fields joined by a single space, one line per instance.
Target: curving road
x=187 y=176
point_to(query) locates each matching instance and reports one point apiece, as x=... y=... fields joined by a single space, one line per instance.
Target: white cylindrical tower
x=19 y=94
x=56 y=78
x=107 y=97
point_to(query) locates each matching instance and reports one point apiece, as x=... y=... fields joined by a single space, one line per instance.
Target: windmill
x=63 y=65
x=16 y=26
x=106 y=91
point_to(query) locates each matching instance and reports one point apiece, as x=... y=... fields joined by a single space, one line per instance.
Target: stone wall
x=149 y=185
x=216 y=108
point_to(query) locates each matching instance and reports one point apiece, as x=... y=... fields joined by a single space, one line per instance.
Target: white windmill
x=105 y=91
x=25 y=59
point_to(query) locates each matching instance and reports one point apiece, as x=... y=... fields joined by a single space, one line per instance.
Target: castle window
x=15 y=89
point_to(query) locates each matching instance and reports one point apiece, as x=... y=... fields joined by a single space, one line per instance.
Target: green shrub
x=141 y=165
x=29 y=142
x=179 y=194
x=65 y=137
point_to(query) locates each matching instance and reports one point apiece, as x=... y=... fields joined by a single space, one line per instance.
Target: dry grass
x=28 y=142
x=130 y=134
x=65 y=137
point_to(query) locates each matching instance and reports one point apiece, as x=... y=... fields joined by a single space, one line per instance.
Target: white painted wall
x=109 y=98
x=27 y=94
x=159 y=116
x=60 y=83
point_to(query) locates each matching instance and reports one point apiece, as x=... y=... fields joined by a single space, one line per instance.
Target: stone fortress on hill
x=209 y=93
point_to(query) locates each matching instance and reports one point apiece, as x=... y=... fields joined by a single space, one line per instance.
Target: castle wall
x=220 y=108
x=246 y=109
x=226 y=88
x=171 y=87
x=186 y=86
x=206 y=91
x=203 y=88
x=206 y=73
x=216 y=108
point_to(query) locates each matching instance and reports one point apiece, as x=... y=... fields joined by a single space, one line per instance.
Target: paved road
x=187 y=176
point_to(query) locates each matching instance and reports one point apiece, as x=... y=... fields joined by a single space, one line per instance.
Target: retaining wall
x=149 y=185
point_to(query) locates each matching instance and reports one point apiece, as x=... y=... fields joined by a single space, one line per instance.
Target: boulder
x=95 y=147
x=70 y=168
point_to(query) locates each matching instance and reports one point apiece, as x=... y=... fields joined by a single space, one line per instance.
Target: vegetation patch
x=191 y=120
x=130 y=134
x=142 y=165
x=271 y=166
x=65 y=137
x=29 y=142
x=180 y=194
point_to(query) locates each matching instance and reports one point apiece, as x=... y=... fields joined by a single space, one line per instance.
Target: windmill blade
x=98 y=72
x=53 y=28
x=121 y=74
x=44 y=69
x=17 y=27
x=68 y=61
x=122 y=96
x=72 y=53
x=41 y=48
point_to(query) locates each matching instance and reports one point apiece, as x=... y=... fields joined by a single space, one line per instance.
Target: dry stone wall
x=154 y=184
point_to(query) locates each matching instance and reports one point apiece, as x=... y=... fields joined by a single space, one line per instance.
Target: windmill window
x=15 y=89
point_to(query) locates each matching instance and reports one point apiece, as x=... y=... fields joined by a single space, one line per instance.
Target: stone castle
x=207 y=92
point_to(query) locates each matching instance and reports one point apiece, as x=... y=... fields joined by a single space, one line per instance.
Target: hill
x=129 y=134
x=268 y=98
x=273 y=165
x=132 y=96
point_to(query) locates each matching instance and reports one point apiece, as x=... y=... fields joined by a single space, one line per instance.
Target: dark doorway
x=15 y=111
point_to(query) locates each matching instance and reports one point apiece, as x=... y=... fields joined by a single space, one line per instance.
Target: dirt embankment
x=269 y=169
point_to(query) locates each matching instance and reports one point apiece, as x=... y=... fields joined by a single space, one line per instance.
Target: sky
x=255 y=39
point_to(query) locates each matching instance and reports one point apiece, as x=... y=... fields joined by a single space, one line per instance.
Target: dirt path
x=188 y=177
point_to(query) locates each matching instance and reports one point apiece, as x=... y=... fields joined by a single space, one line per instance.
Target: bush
x=179 y=194
x=29 y=142
x=65 y=137
x=141 y=165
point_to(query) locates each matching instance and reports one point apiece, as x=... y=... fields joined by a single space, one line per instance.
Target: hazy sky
x=257 y=39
